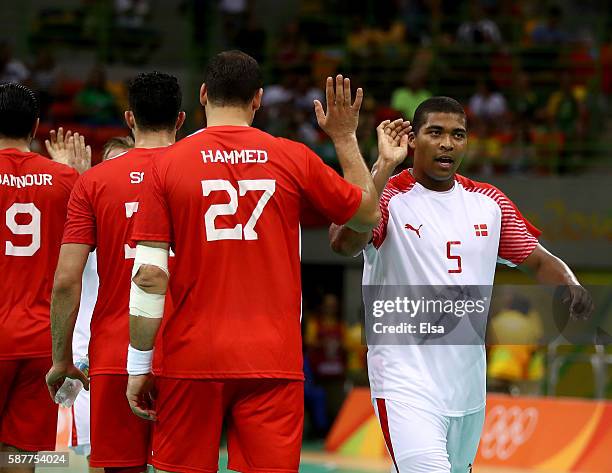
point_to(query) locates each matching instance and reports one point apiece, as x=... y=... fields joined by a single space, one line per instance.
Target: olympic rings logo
x=506 y=429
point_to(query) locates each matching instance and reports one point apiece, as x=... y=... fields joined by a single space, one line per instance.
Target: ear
x=257 y=99
x=35 y=129
x=180 y=120
x=412 y=140
x=128 y=116
x=203 y=95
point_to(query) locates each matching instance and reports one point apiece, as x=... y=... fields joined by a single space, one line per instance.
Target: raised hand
x=342 y=117
x=393 y=141
x=69 y=149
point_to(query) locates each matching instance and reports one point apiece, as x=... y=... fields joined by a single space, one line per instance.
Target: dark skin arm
x=546 y=268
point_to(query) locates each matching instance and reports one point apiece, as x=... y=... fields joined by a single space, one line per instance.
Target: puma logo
x=415 y=230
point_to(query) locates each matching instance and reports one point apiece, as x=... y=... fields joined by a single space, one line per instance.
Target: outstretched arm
x=546 y=268
x=340 y=122
x=392 y=150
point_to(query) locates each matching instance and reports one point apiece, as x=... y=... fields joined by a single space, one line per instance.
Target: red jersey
x=228 y=198
x=100 y=212
x=34 y=193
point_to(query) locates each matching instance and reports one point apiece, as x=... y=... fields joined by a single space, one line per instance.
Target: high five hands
x=341 y=118
x=69 y=149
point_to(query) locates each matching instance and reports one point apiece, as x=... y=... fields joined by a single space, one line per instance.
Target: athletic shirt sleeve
x=329 y=193
x=518 y=237
x=397 y=184
x=153 y=217
x=81 y=222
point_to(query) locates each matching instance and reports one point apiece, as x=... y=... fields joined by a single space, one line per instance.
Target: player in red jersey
x=100 y=213
x=34 y=194
x=228 y=200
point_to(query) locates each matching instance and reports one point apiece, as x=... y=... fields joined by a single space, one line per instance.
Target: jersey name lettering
x=136 y=177
x=234 y=156
x=26 y=181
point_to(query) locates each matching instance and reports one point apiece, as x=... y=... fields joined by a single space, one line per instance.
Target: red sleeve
x=518 y=236
x=81 y=222
x=153 y=216
x=328 y=193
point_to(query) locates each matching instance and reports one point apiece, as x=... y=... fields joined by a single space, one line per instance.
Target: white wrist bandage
x=139 y=362
x=142 y=303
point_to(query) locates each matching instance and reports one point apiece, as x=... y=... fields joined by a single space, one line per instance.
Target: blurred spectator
x=550 y=31
x=566 y=115
x=324 y=341
x=487 y=109
x=478 y=29
x=45 y=79
x=417 y=16
x=408 y=97
x=315 y=402
x=513 y=336
x=252 y=39
x=524 y=103
x=11 y=70
x=356 y=355
x=306 y=91
x=94 y=104
x=292 y=47
x=382 y=39
x=132 y=38
x=132 y=13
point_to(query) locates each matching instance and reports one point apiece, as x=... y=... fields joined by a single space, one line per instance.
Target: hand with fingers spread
x=69 y=149
x=141 y=395
x=342 y=117
x=393 y=141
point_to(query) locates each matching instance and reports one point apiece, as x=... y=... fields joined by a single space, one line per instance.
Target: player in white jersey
x=439 y=229
x=79 y=439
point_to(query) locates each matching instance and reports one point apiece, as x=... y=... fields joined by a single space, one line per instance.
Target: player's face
x=440 y=146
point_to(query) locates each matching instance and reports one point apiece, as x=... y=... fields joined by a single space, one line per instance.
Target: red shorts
x=28 y=415
x=264 y=425
x=118 y=437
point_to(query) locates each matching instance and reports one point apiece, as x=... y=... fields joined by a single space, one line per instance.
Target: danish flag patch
x=481 y=230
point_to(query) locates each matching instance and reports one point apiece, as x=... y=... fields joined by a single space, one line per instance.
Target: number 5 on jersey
x=238 y=232
x=450 y=256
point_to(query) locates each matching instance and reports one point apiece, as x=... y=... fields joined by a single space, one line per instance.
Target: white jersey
x=433 y=238
x=89 y=295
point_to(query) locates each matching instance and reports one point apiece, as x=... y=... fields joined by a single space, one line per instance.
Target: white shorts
x=79 y=440
x=420 y=441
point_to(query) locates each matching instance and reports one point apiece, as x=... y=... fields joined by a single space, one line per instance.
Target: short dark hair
x=155 y=100
x=18 y=111
x=434 y=105
x=232 y=78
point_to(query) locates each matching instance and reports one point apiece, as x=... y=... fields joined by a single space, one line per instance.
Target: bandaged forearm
x=139 y=361
x=143 y=303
